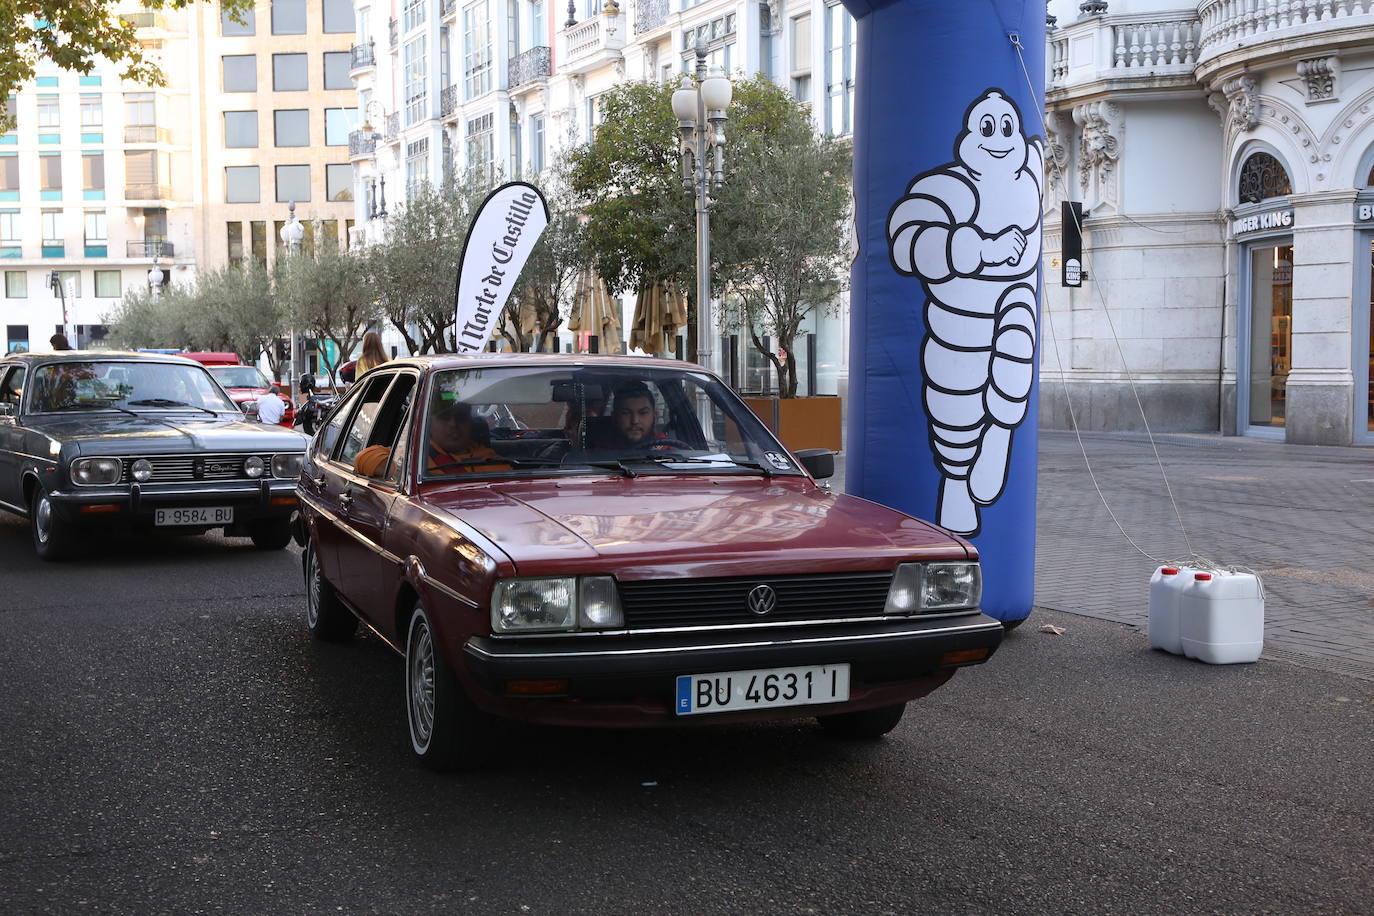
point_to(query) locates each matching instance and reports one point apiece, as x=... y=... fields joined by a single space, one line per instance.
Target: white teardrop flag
x=500 y=239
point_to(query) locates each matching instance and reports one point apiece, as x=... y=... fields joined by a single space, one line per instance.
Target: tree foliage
x=330 y=296
x=74 y=34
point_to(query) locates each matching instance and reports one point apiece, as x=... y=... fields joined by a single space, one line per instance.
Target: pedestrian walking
x=271 y=407
x=59 y=342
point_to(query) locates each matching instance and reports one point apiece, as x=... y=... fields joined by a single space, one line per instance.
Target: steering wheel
x=555 y=450
x=667 y=445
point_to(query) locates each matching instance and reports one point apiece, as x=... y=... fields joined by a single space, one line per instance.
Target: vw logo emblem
x=762 y=599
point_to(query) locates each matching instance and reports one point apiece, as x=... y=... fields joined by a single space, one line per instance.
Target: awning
x=596 y=311
x=659 y=312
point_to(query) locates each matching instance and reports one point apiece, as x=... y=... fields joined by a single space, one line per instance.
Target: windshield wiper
x=166 y=402
x=669 y=458
x=98 y=407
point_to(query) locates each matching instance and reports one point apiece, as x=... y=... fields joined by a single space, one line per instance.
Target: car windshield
x=239 y=376
x=536 y=421
x=125 y=385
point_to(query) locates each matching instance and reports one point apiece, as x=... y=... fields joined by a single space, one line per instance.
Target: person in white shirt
x=271 y=406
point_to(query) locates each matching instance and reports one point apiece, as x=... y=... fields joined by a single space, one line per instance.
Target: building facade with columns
x=451 y=86
x=1222 y=153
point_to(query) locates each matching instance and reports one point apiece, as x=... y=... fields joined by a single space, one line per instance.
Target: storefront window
x=1271 y=333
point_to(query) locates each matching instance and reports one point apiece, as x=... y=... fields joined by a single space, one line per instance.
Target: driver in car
x=452 y=448
x=635 y=418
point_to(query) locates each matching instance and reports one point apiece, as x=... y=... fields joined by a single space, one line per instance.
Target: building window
x=234 y=234
x=71 y=284
x=336 y=64
x=338 y=181
x=240 y=72
x=92 y=112
x=338 y=123
x=95 y=228
x=9 y=173
x=229 y=28
x=417 y=164
x=293 y=184
x=49 y=112
x=480 y=145
x=414 y=15
x=292 y=127
x=477 y=49
x=141 y=174
x=107 y=285
x=415 y=80
x=1271 y=333
x=839 y=70
x=290 y=72
x=338 y=16
x=50 y=171
x=241 y=184
x=537 y=144
x=93 y=171
x=16 y=284
x=1262 y=177
x=288 y=17
x=258 y=241
x=241 y=129
x=53 y=236
x=9 y=228
x=140 y=109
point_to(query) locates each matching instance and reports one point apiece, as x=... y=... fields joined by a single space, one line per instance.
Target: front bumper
x=251 y=500
x=630 y=681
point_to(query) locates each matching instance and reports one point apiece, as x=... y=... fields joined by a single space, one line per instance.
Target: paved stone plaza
x=1301 y=516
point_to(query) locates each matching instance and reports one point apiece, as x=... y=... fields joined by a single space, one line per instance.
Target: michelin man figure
x=970 y=232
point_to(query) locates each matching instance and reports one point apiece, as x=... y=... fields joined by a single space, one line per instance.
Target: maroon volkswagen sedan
x=611 y=541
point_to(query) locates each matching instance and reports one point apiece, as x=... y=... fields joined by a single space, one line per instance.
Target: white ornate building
x=452 y=85
x=1222 y=151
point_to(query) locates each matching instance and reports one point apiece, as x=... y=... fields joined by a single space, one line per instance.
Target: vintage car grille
x=174 y=468
x=708 y=602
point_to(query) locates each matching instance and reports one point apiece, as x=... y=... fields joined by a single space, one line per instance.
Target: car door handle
x=318 y=481
x=346 y=500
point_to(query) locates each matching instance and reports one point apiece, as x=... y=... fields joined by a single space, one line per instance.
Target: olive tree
x=329 y=296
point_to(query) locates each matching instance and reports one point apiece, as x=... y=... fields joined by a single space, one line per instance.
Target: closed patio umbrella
x=596 y=311
x=659 y=312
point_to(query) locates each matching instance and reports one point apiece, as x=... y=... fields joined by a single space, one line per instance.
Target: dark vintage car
x=612 y=541
x=131 y=440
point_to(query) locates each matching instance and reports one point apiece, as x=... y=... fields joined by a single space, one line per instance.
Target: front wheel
x=866 y=724
x=53 y=538
x=446 y=731
x=270 y=533
x=325 y=616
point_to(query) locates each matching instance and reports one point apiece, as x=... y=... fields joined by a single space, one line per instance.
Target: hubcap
x=420 y=684
x=312 y=592
x=43 y=520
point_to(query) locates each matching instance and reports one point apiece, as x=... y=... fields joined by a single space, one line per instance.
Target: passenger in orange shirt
x=451 y=443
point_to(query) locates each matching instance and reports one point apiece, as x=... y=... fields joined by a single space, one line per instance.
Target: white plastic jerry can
x=1166 y=586
x=1221 y=618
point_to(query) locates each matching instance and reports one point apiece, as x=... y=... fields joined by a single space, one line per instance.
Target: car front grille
x=715 y=602
x=180 y=468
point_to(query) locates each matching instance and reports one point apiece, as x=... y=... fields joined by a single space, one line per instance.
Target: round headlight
x=254 y=466
x=142 y=469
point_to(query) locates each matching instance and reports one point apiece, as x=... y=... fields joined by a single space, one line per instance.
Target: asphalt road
x=171 y=741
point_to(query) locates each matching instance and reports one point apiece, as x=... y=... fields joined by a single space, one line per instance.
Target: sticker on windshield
x=777 y=461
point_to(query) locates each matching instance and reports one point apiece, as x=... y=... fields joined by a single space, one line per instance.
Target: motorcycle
x=317 y=404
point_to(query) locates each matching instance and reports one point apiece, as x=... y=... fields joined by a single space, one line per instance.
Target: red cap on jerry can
x=1168 y=571
x=1203 y=577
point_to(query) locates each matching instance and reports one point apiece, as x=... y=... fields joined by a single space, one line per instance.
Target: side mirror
x=819 y=462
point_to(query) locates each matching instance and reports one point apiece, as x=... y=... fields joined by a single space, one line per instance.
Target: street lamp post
x=700 y=112
x=292 y=234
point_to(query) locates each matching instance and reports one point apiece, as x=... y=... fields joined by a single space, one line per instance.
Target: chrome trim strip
x=662 y=650
x=13 y=508
x=251 y=491
x=441 y=587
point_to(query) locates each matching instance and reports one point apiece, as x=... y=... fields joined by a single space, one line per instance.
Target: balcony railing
x=146 y=133
x=528 y=66
x=393 y=126
x=146 y=191
x=150 y=248
x=448 y=101
x=447 y=8
x=144 y=20
x=361 y=144
x=650 y=14
x=1124 y=47
x=1230 y=24
x=363 y=56
x=593 y=41
x=395 y=32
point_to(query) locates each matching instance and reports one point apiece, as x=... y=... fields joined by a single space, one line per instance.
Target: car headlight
x=534 y=604
x=142 y=469
x=254 y=466
x=287 y=465
x=95 y=471
x=599 y=603
x=904 y=595
x=951 y=586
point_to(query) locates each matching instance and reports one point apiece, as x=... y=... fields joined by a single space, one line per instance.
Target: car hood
x=659 y=527
x=164 y=433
